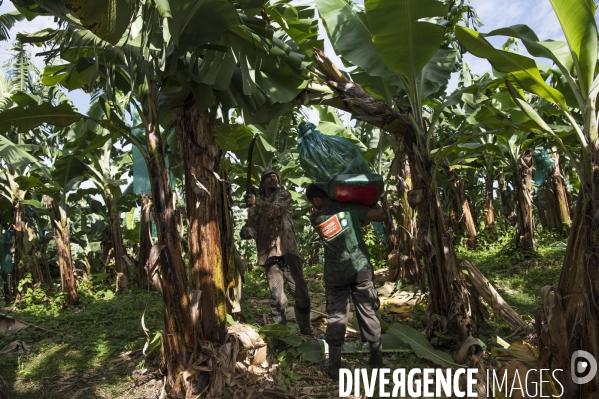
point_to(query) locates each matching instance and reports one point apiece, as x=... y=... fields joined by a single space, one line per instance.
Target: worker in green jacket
x=347 y=272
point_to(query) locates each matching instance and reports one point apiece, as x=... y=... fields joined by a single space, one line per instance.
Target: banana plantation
x=123 y=271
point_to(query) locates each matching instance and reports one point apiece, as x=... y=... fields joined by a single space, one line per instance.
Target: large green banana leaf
x=7 y=21
x=298 y=21
x=107 y=19
x=196 y=23
x=189 y=21
x=68 y=172
x=351 y=37
x=557 y=51
x=19 y=157
x=522 y=68
x=404 y=42
x=577 y=18
x=527 y=108
x=437 y=71
x=25 y=119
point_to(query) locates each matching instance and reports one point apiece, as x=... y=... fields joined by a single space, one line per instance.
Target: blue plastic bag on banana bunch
x=337 y=167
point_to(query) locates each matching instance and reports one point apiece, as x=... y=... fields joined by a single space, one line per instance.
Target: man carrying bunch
x=347 y=271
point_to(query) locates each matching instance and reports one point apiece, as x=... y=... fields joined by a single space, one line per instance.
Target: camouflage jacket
x=271 y=219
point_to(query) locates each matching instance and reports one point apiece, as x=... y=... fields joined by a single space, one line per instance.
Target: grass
x=82 y=351
x=519 y=276
x=83 y=355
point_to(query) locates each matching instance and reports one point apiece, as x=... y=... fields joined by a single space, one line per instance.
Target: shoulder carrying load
x=337 y=167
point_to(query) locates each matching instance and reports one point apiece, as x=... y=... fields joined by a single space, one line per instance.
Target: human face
x=317 y=203
x=271 y=181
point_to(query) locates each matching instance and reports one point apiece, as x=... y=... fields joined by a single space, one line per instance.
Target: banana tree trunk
x=62 y=237
x=449 y=297
x=559 y=189
x=523 y=185
x=506 y=202
x=19 y=248
x=541 y=210
x=36 y=271
x=178 y=342
x=402 y=260
x=107 y=250
x=464 y=211
x=452 y=214
x=569 y=320
x=489 y=210
x=569 y=196
x=117 y=239
x=145 y=242
x=40 y=251
x=207 y=260
x=6 y=287
x=549 y=207
x=37 y=275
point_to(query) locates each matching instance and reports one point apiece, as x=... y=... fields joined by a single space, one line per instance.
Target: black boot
x=376 y=354
x=332 y=366
x=303 y=320
x=280 y=319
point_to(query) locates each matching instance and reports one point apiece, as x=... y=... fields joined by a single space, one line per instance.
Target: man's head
x=317 y=197
x=269 y=179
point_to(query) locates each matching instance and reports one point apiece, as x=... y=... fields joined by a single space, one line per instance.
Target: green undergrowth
x=78 y=354
x=516 y=275
x=78 y=349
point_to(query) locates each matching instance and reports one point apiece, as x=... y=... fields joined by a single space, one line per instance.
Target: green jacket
x=345 y=252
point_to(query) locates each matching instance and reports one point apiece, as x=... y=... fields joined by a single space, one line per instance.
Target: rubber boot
x=303 y=321
x=334 y=364
x=376 y=354
x=280 y=319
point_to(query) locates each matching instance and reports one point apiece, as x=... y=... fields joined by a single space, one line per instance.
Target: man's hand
x=376 y=214
x=250 y=200
x=247 y=233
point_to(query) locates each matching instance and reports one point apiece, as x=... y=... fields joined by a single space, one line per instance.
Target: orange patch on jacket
x=329 y=228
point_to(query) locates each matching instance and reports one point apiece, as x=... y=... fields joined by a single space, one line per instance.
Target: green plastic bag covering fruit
x=337 y=167
x=323 y=157
x=542 y=162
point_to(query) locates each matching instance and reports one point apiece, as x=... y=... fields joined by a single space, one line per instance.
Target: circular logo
x=581 y=363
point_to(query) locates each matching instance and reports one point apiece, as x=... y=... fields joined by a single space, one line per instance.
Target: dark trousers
x=289 y=268
x=366 y=302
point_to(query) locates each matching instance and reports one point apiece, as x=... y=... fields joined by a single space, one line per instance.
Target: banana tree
x=554 y=189
x=489 y=176
x=173 y=56
x=464 y=210
x=401 y=52
x=19 y=170
x=25 y=105
x=105 y=164
x=66 y=175
x=103 y=170
x=498 y=126
x=511 y=150
x=570 y=320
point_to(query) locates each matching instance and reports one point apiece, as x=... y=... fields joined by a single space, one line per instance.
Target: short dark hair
x=313 y=191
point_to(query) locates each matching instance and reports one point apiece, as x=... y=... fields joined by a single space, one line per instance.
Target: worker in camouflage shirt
x=270 y=224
